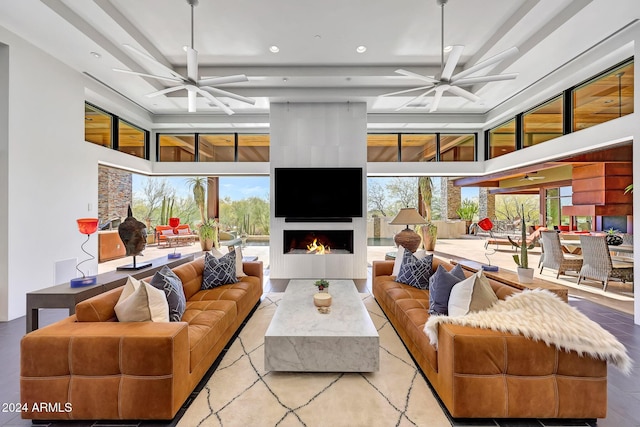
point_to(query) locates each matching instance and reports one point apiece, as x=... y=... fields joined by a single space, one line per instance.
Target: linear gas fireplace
x=318 y=242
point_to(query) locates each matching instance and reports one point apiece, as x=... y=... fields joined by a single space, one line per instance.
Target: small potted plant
x=321 y=284
x=322 y=299
x=525 y=274
x=613 y=237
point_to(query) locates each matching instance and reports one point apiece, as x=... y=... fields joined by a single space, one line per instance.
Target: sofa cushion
x=472 y=294
x=440 y=285
x=219 y=271
x=141 y=302
x=237 y=251
x=400 y=254
x=167 y=281
x=414 y=271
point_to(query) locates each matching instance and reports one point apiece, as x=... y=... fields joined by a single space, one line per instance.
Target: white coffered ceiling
x=317 y=60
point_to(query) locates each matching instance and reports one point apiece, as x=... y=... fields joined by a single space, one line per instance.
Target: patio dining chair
x=597 y=263
x=555 y=258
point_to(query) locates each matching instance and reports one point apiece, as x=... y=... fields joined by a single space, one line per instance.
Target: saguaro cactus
x=522 y=260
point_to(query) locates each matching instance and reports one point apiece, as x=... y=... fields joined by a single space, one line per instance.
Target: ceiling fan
x=528 y=177
x=447 y=82
x=192 y=83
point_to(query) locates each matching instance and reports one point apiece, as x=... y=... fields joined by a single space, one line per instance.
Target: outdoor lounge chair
x=486 y=225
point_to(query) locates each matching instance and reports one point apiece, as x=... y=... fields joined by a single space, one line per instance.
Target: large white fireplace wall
x=318 y=135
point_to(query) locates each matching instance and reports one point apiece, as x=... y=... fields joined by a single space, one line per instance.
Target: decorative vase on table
x=613 y=238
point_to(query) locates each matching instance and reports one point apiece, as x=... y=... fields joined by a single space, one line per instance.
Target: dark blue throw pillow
x=219 y=271
x=167 y=281
x=414 y=271
x=440 y=285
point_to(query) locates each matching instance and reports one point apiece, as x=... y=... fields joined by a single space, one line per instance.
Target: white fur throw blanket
x=542 y=316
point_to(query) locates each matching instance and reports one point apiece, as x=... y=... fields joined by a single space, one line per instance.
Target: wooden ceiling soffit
x=529 y=189
x=493 y=180
x=619 y=153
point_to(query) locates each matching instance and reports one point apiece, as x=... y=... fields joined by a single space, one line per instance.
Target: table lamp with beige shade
x=408 y=238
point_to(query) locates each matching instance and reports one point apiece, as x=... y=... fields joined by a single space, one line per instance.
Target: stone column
x=451 y=199
x=487 y=204
x=114 y=193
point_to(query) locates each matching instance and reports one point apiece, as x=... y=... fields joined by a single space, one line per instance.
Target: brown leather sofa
x=481 y=373
x=90 y=366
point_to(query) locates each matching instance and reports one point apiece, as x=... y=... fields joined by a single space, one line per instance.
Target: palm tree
x=208 y=229
x=429 y=231
x=198 y=185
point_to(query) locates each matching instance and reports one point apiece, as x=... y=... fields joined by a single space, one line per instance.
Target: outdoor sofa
x=90 y=366
x=483 y=373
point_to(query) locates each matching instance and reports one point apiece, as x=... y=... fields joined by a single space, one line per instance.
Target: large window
x=502 y=139
x=418 y=148
x=543 y=123
x=98 y=126
x=177 y=148
x=131 y=139
x=382 y=147
x=408 y=147
x=457 y=148
x=110 y=131
x=555 y=200
x=253 y=148
x=216 y=148
x=604 y=98
x=197 y=147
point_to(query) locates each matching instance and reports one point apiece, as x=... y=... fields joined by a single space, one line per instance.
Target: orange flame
x=318 y=248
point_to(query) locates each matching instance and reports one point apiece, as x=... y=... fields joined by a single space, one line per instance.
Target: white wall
x=51 y=174
x=4 y=179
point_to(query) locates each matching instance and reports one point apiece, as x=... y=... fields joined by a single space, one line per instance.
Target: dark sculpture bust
x=133 y=234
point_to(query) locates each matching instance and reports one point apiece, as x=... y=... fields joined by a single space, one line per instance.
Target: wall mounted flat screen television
x=318 y=193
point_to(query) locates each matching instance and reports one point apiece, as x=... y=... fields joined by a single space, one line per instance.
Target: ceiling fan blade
x=484 y=79
x=215 y=101
x=452 y=61
x=167 y=90
x=214 y=81
x=407 y=90
x=490 y=61
x=416 y=99
x=191 y=100
x=154 y=60
x=192 y=63
x=436 y=99
x=229 y=94
x=417 y=76
x=463 y=93
x=135 y=73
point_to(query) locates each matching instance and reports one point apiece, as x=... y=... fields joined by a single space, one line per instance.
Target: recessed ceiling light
x=448 y=49
x=361 y=49
x=317 y=37
x=274 y=49
x=95 y=55
x=284 y=79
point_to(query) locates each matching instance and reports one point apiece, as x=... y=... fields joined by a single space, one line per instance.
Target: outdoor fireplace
x=318 y=242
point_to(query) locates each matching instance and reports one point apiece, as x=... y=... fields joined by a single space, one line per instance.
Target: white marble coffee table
x=301 y=339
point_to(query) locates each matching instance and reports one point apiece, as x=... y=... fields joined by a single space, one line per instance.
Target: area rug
x=241 y=393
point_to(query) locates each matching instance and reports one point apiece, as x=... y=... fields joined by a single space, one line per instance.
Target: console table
x=64 y=296
x=510 y=278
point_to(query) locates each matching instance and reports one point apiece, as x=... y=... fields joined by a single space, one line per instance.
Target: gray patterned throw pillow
x=414 y=271
x=220 y=271
x=167 y=281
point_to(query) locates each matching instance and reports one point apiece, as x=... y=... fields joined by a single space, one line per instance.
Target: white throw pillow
x=238 y=250
x=396 y=265
x=141 y=302
x=470 y=295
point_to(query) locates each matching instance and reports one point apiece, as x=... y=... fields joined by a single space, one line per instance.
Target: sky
x=238 y=188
